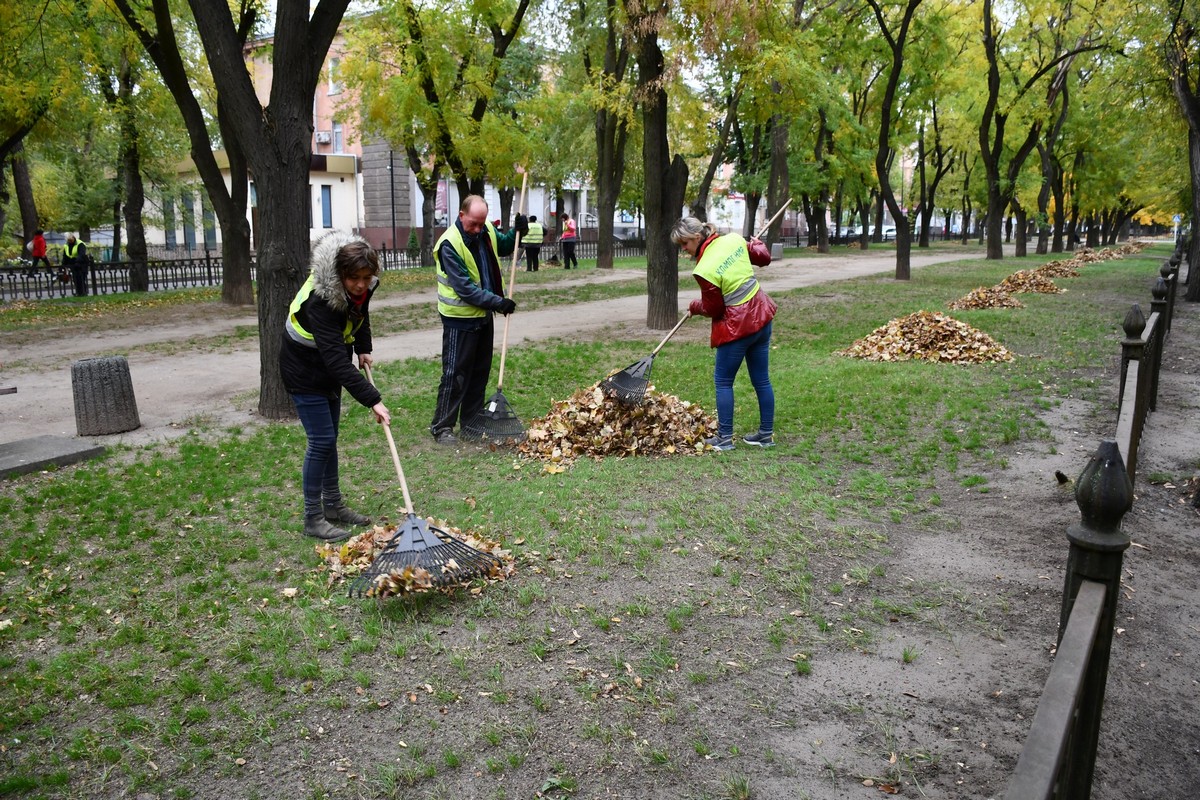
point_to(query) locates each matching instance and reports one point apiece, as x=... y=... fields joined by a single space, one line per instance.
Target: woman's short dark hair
x=355 y=256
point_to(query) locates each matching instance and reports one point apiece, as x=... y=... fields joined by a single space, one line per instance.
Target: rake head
x=424 y=555
x=496 y=420
x=630 y=384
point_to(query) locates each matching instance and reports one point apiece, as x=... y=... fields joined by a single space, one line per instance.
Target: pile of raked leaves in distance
x=928 y=336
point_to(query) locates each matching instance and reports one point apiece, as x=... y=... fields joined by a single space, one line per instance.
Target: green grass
x=151 y=583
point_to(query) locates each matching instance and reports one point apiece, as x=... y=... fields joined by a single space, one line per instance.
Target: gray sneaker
x=760 y=439
x=446 y=437
x=319 y=528
x=719 y=442
x=343 y=513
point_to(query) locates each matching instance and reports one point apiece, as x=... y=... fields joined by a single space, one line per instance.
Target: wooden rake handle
x=771 y=221
x=667 y=338
x=387 y=429
x=512 y=280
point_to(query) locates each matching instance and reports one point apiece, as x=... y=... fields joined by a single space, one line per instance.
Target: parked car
x=889 y=234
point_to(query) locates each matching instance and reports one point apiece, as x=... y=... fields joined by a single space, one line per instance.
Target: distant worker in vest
x=328 y=324
x=568 y=236
x=470 y=289
x=532 y=242
x=75 y=258
x=37 y=251
x=741 y=316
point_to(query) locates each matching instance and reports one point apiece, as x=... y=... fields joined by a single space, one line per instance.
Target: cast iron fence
x=1059 y=757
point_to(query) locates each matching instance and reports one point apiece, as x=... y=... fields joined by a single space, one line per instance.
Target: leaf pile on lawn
x=1063 y=268
x=351 y=558
x=986 y=297
x=928 y=336
x=1028 y=281
x=591 y=423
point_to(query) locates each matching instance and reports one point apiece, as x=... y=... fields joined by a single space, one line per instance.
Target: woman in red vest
x=741 y=316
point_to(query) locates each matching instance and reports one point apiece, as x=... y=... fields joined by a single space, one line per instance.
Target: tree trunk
x=778 y=186
x=24 y=189
x=1193 y=255
x=666 y=183
x=134 y=191
x=1022 y=245
x=753 y=201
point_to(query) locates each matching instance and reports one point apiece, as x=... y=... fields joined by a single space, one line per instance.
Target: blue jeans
x=320 y=416
x=755 y=350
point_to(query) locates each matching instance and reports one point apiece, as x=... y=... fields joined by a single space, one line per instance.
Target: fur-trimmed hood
x=326 y=283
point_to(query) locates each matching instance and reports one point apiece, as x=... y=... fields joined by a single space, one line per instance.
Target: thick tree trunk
x=1193 y=256
x=23 y=186
x=666 y=183
x=778 y=186
x=1022 y=245
x=134 y=191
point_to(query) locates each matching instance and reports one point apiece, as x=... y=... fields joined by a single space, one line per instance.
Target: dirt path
x=176 y=390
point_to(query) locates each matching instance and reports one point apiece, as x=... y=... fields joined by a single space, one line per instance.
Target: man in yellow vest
x=470 y=288
x=532 y=241
x=74 y=257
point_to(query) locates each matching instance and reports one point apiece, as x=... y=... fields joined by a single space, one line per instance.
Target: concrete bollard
x=104 y=400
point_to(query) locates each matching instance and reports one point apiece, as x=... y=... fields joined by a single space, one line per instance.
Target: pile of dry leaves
x=350 y=559
x=1028 y=281
x=986 y=297
x=592 y=423
x=1063 y=268
x=928 y=336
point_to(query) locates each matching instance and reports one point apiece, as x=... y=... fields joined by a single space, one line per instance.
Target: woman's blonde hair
x=691 y=228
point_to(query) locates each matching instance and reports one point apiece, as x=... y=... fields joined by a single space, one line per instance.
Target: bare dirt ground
x=959 y=713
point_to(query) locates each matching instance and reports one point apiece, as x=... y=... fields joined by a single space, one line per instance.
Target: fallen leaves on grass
x=353 y=557
x=1027 y=281
x=986 y=297
x=592 y=423
x=928 y=336
x=1063 y=268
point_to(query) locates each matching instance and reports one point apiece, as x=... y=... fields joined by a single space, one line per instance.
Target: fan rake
x=420 y=552
x=629 y=385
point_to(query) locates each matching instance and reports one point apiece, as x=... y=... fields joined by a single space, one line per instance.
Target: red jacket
x=730 y=323
x=38 y=248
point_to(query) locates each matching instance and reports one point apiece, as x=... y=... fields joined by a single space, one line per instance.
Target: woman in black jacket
x=327 y=325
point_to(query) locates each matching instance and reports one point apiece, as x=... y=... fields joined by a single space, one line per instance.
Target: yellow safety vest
x=71 y=251
x=536 y=233
x=726 y=265
x=296 y=330
x=449 y=303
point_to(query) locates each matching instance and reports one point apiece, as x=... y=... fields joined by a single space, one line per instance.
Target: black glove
x=507 y=306
x=521 y=224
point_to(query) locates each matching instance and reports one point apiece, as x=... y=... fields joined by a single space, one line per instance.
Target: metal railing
x=1059 y=757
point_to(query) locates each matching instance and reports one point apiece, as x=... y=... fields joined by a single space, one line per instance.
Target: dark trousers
x=79 y=273
x=320 y=416
x=33 y=265
x=568 y=248
x=466 y=367
x=532 y=251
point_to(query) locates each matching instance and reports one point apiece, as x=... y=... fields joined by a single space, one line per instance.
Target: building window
x=335 y=86
x=338 y=138
x=169 y=222
x=326 y=206
x=310 y=213
x=188 y=218
x=210 y=226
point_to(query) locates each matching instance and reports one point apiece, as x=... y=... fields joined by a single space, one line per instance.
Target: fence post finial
x=1103 y=491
